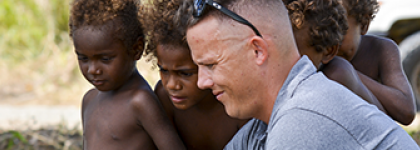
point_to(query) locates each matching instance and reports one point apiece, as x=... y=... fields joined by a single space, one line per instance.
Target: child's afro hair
x=363 y=10
x=165 y=23
x=98 y=12
x=326 y=20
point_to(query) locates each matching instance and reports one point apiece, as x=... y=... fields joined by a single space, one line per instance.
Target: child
x=198 y=116
x=121 y=112
x=318 y=27
x=377 y=61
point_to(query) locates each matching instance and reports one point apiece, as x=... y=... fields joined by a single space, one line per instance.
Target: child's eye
x=82 y=58
x=186 y=74
x=106 y=59
x=163 y=70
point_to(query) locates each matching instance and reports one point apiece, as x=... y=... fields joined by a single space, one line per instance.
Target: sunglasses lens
x=198 y=7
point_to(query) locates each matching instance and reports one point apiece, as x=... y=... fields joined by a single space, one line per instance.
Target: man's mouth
x=218 y=94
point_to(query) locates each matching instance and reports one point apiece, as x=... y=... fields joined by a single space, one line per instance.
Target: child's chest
x=109 y=120
x=205 y=132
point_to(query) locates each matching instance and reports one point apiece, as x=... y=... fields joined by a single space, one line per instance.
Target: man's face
x=224 y=65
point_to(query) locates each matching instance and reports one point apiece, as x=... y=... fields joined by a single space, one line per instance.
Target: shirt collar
x=300 y=71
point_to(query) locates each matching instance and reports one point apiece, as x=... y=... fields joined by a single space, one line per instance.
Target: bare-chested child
x=377 y=61
x=198 y=116
x=121 y=112
x=319 y=27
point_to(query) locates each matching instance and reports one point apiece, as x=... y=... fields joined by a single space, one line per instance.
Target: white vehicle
x=399 y=20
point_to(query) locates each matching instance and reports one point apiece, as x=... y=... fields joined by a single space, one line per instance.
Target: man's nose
x=205 y=80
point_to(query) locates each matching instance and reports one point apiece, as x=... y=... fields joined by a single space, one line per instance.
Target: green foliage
x=27 y=27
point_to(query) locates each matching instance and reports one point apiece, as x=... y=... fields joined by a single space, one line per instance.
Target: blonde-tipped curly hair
x=326 y=20
x=99 y=12
x=363 y=10
x=165 y=23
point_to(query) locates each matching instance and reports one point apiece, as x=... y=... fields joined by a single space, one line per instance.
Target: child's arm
x=155 y=122
x=341 y=71
x=164 y=100
x=89 y=95
x=394 y=92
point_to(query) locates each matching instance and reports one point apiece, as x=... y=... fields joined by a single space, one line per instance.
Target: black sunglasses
x=200 y=6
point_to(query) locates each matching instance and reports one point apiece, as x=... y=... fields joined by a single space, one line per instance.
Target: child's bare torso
x=205 y=130
x=368 y=57
x=111 y=122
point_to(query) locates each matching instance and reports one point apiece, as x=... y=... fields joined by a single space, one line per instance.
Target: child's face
x=179 y=76
x=351 y=40
x=305 y=45
x=103 y=60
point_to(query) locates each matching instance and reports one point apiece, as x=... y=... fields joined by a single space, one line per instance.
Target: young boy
x=198 y=116
x=121 y=112
x=377 y=61
x=318 y=27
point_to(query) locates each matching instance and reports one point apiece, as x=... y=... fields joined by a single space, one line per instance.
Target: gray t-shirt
x=313 y=112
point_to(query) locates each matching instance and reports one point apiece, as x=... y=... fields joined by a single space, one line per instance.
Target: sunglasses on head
x=200 y=6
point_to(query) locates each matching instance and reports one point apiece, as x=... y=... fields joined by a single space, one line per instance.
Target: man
x=254 y=68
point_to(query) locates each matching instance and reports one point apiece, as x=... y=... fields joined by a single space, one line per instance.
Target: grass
x=37 y=61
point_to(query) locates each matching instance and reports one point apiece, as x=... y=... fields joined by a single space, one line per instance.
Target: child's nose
x=94 y=69
x=173 y=84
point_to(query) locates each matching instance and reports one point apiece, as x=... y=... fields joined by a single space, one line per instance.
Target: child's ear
x=138 y=48
x=329 y=54
x=259 y=47
x=364 y=28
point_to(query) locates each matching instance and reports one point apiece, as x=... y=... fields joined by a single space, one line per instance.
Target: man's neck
x=278 y=76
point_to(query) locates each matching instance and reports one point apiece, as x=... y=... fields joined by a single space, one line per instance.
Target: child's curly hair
x=326 y=20
x=165 y=23
x=363 y=10
x=98 y=12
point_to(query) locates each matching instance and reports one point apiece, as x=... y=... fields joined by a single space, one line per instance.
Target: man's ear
x=138 y=48
x=364 y=28
x=260 y=48
x=329 y=54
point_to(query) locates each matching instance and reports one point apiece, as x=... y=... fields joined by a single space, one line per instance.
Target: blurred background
x=41 y=86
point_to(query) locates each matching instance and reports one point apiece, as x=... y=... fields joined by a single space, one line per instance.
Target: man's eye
x=209 y=65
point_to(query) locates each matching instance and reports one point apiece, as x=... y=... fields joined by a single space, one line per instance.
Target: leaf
x=19 y=136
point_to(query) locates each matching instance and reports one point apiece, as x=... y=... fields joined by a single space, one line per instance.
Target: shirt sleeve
x=251 y=136
x=305 y=129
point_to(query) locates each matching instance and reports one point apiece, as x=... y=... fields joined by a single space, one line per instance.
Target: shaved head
x=244 y=70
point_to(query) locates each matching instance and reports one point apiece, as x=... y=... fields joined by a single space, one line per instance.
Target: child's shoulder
x=89 y=95
x=142 y=96
x=340 y=70
x=163 y=97
x=378 y=44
